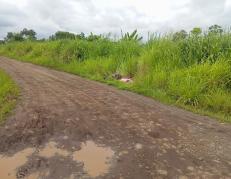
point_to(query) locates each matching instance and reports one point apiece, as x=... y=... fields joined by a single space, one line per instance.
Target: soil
x=59 y=114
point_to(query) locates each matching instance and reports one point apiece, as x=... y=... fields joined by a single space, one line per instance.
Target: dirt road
x=65 y=126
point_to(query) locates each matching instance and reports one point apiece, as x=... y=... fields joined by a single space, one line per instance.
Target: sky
x=104 y=16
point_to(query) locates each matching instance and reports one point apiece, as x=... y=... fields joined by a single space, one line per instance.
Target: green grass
x=192 y=73
x=8 y=95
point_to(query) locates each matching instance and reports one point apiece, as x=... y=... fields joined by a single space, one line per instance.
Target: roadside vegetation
x=8 y=95
x=188 y=69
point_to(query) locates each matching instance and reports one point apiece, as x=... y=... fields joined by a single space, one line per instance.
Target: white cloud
x=102 y=16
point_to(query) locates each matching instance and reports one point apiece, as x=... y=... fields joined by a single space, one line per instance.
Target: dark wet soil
x=60 y=118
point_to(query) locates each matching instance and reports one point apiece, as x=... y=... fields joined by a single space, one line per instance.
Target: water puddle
x=9 y=165
x=51 y=149
x=96 y=159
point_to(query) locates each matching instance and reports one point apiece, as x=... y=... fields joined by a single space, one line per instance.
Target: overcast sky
x=103 y=16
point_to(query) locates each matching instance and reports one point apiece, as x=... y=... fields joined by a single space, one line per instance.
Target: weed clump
x=8 y=95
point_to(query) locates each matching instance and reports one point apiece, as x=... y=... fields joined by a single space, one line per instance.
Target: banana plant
x=134 y=36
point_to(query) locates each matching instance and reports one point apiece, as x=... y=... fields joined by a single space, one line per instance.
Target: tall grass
x=194 y=73
x=8 y=94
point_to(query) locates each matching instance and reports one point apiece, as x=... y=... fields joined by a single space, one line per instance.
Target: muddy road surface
x=67 y=127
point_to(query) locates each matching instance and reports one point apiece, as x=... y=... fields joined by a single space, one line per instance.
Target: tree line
x=197 y=31
x=30 y=34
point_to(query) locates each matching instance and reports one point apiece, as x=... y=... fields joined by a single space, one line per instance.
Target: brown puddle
x=8 y=165
x=95 y=159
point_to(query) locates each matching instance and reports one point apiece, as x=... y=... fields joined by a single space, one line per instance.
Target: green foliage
x=215 y=29
x=93 y=37
x=8 y=94
x=192 y=71
x=25 y=34
x=180 y=35
x=62 y=35
x=13 y=37
x=28 y=34
x=134 y=36
x=196 y=31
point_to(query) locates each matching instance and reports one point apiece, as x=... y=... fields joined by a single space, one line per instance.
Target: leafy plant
x=180 y=35
x=196 y=31
x=134 y=36
x=215 y=29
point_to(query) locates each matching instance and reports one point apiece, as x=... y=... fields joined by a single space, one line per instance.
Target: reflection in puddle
x=50 y=150
x=96 y=159
x=8 y=165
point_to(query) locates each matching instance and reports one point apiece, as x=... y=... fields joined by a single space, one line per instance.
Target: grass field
x=8 y=95
x=193 y=73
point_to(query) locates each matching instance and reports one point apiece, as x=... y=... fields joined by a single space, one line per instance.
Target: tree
x=25 y=34
x=13 y=37
x=80 y=36
x=18 y=37
x=93 y=37
x=180 y=35
x=215 y=29
x=62 y=35
x=133 y=36
x=9 y=36
x=196 y=31
x=28 y=34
